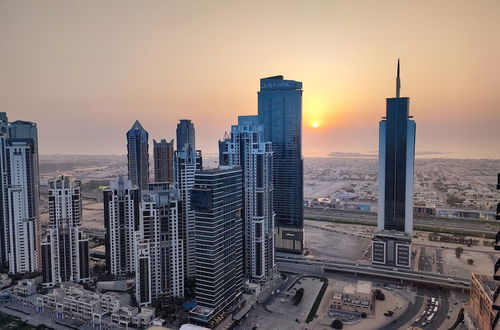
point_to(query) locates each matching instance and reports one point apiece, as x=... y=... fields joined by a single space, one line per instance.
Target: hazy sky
x=86 y=70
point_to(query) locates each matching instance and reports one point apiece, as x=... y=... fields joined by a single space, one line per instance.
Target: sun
x=315 y=124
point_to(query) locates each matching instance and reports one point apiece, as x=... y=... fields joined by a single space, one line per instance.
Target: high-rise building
x=187 y=161
x=121 y=220
x=159 y=245
x=245 y=147
x=65 y=250
x=185 y=135
x=163 y=155
x=217 y=201
x=138 y=156
x=280 y=111
x=20 y=228
x=392 y=240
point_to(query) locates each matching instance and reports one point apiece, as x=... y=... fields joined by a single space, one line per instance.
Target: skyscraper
x=65 y=250
x=138 y=156
x=163 y=154
x=19 y=196
x=121 y=220
x=185 y=135
x=217 y=201
x=187 y=161
x=246 y=147
x=392 y=240
x=280 y=112
x=159 y=245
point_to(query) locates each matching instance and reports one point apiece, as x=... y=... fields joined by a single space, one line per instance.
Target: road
x=447 y=223
x=380 y=271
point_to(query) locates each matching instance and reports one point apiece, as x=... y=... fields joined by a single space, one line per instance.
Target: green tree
x=337 y=324
x=458 y=251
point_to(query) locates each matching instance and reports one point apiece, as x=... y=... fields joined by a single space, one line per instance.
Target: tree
x=379 y=295
x=470 y=261
x=298 y=296
x=458 y=251
x=337 y=324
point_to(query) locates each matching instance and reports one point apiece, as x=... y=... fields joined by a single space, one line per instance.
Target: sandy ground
x=332 y=240
x=316 y=188
x=460 y=267
x=394 y=302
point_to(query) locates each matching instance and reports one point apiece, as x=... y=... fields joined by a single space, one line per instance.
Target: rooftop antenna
x=398 y=83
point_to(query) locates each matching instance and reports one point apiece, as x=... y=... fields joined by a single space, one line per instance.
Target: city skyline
x=110 y=74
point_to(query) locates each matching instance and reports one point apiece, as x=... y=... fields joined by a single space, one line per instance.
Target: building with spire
x=392 y=240
x=138 y=156
x=163 y=155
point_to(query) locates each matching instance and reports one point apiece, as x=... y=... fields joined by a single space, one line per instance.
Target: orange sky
x=85 y=70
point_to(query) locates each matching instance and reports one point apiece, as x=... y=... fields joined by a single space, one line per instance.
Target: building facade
x=480 y=305
x=245 y=147
x=187 y=162
x=159 y=245
x=138 y=156
x=163 y=155
x=20 y=228
x=217 y=201
x=121 y=221
x=392 y=241
x=280 y=112
x=65 y=250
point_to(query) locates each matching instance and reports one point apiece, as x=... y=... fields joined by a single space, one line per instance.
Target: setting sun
x=315 y=125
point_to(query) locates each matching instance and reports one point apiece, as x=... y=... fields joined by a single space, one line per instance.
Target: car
x=423 y=324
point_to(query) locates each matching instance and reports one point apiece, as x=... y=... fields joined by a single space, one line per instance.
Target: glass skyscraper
x=280 y=112
x=185 y=135
x=138 y=156
x=391 y=245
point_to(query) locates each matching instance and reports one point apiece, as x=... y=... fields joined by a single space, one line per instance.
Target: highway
x=448 y=223
x=380 y=271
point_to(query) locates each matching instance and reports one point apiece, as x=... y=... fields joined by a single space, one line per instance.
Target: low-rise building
x=480 y=305
x=355 y=298
x=25 y=288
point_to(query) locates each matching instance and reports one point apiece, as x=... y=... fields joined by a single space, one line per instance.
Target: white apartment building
x=65 y=250
x=159 y=245
x=121 y=220
x=245 y=147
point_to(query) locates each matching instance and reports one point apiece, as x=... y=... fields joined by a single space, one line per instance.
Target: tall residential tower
x=187 y=160
x=392 y=241
x=65 y=250
x=121 y=220
x=19 y=196
x=245 y=147
x=159 y=245
x=280 y=112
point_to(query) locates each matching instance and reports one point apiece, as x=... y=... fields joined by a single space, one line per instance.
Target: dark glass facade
x=396 y=163
x=217 y=200
x=138 y=156
x=185 y=135
x=280 y=111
